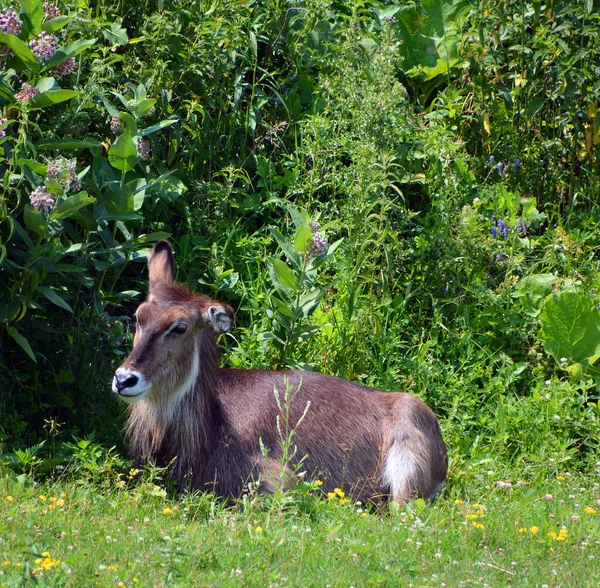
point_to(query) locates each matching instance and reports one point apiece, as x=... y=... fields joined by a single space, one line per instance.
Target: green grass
x=139 y=536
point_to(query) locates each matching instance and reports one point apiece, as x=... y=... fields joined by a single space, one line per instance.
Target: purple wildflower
x=65 y=68
x=115 y=124
x=10 y=23
x=318 y=245
x=64 y=171
x=521 y=228
x=44 y=46
x=500 y=169
x=500 y=224
x=27 y=93
x=277 y=100
x=314 y=226
x=592 y=293
x=51 y=10
x=491 y=160
x=501 y=257
x=516 y=164
x=293 y=78
x=505 y=231
x=3 y=123
x=143 y=148
x=447 y=287
x=494 y=232
x=41 y=199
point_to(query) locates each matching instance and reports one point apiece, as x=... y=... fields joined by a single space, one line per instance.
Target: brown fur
x=211 y=431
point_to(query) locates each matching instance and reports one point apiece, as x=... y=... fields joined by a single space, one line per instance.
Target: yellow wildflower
x=478 y=525
x=560 y=478
x=522 y=530
x=589 y=510
x=53 y=499
x=51 y=506
x=5 y=564
x=18 y=565
x=43 y=497
x=10 y=499
x=167 y=510
x=339 y=492
x=136 y=580
x=472 y=516
x=319 y=482
x=259 y=529
x=38 y=561
x=459 y=501
x=344 y=501
x=330 y=495
x=63 y=495
x=476 y=505
x=534 y=530
x=561 y=536
x=112 y=568
x=121 y=584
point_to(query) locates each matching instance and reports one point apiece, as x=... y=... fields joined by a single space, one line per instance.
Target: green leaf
x=21 y=342
x=67 y=144
x=34 y=166
x=116 y=35
x=33 y=12
x=69 y=206
x=123 y=153
x=534 y=107
x=21 y=50
x=130 y=126
x=287 y=248
x=35 y=221
x=161 y=125
x=532 y=290
x=51 y=97
x=52 y=295
x=570 y=327
x=45 y=84
x=302 y=238
x=284 y=274
x=55 y=24
x=68 y=51
x=144 y=106
x=8 y=310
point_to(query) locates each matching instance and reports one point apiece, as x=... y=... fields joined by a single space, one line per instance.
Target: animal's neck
x=182 y=426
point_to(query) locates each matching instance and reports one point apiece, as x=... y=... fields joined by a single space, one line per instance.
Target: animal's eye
x=179 y=329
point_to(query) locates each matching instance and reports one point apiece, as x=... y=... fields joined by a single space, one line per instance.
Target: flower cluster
x=63 y=171
x=501 y=229
x=115 y=124
x=143 y=147
x=319 y=242
x=10 y=23
x=65 y=68
x=560 y=536
x=44 y=46
x=502 y=167
x=46 y=562
x=338 y=493
x=3 y=123
x=533 y=530
x=51 y=10
x=27 y=93
x=41 y=199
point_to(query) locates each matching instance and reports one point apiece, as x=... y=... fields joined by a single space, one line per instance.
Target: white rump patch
x=401 y=473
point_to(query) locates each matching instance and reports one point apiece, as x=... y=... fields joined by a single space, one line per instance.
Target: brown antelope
x=213 y=424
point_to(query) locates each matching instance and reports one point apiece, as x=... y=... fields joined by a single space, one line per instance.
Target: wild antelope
x=209 y=422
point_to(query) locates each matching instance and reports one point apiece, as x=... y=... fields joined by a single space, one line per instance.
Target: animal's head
x=170 y=325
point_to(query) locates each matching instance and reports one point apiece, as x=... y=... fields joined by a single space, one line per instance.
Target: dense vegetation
x=437 y=162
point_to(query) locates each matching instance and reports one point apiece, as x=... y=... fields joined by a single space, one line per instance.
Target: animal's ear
x=161 y=264
x=219 y=317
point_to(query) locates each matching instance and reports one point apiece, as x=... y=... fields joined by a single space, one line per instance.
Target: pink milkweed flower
x=41 y=199
x=10 y=23
x=44 y=46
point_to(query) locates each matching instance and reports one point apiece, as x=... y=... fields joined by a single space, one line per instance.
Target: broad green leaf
x=55 y=24
x=534 y=107
x=532 y=290
x=21 y=50
x=53 y=296
x=45 y=84
x=129 y=124
x=144 y=106
x=116 y=35
x=68 y=51
x=51 y=97
x=35 y=221
x=121 y=200
x=69 y=206
x=33 y=12
x=34 y=166
x=284 y=274
x=570 y=327
x=302 y=238
x=287 y=248
x=68 y=144
x=21 y=341
x=123 y=153
x=161 y=125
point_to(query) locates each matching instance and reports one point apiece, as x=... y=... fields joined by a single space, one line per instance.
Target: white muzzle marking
x=130 y=385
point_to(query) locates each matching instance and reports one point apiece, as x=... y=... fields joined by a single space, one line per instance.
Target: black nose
x=128 y=381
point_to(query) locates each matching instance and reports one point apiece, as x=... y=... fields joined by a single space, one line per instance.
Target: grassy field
x=502 y=530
